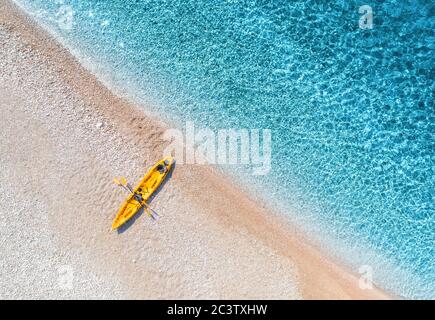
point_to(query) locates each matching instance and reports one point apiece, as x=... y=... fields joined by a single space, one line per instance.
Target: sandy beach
x=64 y=136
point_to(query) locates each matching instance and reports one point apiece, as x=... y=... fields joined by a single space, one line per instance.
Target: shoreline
x=254 y=240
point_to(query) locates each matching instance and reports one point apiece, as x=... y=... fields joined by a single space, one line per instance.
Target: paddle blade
x=123 y=181
x=116 y=181
x=150 y=214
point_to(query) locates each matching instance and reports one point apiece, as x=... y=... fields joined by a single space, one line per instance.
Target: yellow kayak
x=149 y=184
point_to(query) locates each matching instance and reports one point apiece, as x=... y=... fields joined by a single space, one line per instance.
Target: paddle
x=152 y=210
x=126 y=184
x=123 y=183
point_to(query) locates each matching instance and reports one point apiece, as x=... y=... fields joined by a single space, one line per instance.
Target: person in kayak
x=161 y=168
x=138 y=197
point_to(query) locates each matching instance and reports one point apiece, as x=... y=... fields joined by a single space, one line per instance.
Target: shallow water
x=351 y=110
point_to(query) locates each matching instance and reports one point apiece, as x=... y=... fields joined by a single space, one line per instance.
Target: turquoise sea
x=351 y=110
